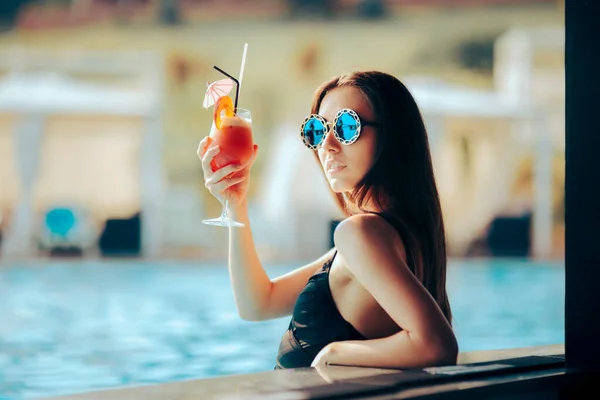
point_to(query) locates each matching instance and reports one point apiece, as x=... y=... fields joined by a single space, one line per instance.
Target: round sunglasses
x=346 y=128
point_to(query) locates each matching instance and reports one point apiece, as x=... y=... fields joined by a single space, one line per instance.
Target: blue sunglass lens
x=314 y=131
x=346 y=126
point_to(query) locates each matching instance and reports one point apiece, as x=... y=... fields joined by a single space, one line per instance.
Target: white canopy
x=33 y=95
x=54 y=93
x=438 y=98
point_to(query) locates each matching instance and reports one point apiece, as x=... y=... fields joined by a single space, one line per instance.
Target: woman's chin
x=339 y=186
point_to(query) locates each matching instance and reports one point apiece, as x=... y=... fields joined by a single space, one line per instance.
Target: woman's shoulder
x=362 y=229
x=367 y=241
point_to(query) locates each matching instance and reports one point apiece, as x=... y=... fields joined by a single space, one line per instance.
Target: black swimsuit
x=315 y=323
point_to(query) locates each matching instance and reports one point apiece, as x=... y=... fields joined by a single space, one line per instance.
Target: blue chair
x=60 y=222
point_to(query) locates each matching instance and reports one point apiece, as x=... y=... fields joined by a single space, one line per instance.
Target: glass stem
x=224 y=214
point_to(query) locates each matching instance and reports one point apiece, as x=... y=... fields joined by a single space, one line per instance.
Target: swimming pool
x=68 y=327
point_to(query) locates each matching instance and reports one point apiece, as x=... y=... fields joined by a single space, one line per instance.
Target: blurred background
x=108 y=277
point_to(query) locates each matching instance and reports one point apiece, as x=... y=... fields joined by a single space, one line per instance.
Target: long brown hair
x=401 y=181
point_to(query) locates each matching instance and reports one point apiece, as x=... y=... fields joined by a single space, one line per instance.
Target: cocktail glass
x=235 y=141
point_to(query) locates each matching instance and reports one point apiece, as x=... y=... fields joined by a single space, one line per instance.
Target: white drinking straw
x=242 y=67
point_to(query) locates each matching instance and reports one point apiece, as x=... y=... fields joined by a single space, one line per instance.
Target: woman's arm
x=396 y=351
x=256 y=296
x=371 y=249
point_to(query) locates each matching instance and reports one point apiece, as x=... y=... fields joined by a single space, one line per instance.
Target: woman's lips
x=335 y=169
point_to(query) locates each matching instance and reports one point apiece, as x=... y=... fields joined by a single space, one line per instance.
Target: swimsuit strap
x=327 y=265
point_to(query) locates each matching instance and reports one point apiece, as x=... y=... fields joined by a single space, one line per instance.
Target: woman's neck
x=368 y=207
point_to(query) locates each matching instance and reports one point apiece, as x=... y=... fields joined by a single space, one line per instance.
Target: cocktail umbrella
x=216 y=90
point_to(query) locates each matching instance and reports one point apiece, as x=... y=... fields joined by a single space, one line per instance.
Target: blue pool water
x=68 y=327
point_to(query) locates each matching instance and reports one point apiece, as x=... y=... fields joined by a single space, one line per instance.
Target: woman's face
x=346 y=165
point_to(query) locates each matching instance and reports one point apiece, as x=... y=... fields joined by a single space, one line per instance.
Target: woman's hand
x=323 y=358
x=228 y=183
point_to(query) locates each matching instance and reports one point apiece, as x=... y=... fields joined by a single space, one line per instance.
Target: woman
x=378 y=298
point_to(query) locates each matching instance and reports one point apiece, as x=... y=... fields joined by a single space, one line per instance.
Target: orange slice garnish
x=223 y=104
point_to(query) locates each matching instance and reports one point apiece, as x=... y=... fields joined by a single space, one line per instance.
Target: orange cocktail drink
x=234 y=138
x=232 y=131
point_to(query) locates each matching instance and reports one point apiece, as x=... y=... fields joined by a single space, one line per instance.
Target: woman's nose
x=330 y=143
